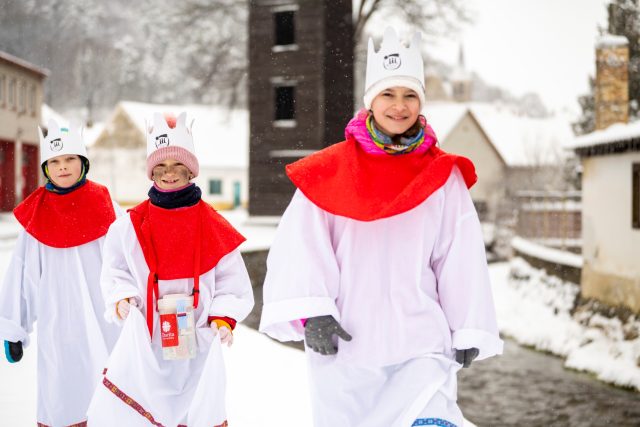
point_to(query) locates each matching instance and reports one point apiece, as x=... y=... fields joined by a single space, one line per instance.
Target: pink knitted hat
x=169 y=138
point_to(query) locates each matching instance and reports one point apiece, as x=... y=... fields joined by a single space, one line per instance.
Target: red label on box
x=169 y=330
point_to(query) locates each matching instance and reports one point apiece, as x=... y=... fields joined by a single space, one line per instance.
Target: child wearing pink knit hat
x=176 y=261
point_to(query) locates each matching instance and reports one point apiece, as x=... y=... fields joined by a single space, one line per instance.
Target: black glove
x=465 y=357
x=13 y=351
x=319 y=331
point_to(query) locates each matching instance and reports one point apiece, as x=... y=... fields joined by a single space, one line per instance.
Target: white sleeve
x=18 y=294
x=302 y=271
x=460 y=265
x=233 y=294
x=116 y=280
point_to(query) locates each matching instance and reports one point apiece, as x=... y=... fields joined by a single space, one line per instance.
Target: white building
x=221 y=137
x=611 y=214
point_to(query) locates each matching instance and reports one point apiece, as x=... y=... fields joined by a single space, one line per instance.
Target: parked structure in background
x=21 y=96
x=610 y=158
x=118 y=154
x=300 y=89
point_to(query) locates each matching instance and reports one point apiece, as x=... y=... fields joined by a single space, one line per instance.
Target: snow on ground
x=535 y=309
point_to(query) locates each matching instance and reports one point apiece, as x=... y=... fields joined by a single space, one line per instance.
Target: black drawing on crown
x=55 y=144
x=162 y=140
x=392 y=61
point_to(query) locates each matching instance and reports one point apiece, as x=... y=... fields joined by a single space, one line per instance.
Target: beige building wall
x=467 y=139
x=611 y=247
x=21 y=96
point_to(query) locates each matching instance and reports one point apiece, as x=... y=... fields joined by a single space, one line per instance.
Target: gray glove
x=319 y=331
x=465 y=357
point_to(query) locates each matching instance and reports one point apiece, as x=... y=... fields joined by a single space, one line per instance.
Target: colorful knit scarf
x=402 y=145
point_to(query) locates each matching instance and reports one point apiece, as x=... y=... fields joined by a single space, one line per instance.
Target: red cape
x=181 y=243
x=67 y=220
x=344 y=180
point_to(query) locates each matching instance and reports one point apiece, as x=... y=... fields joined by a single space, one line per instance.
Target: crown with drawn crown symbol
x=394 y=63
x=160 y=135
x=61 y=140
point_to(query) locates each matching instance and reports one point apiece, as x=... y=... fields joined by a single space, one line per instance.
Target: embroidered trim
x=432 y=422
x=129 y=401
x=134 y=405
x=81 y=424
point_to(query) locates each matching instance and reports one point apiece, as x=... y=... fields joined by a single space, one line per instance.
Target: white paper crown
x=394 y=61
x=61 y=140
x=160 y=135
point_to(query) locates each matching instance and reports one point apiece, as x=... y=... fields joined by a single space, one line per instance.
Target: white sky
x=540 y=46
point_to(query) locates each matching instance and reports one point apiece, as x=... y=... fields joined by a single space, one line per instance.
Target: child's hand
x=124 y=306
x=226 y=336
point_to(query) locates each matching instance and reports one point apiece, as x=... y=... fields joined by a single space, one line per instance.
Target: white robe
x=415 y=285
x=60 y=288
x=139 y=368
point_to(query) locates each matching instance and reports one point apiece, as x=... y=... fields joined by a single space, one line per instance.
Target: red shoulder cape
x=67 y=220
x=344 y=180
x=171 y=236
x=180 y=243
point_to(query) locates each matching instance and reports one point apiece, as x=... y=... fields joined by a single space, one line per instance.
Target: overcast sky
x=541 y=46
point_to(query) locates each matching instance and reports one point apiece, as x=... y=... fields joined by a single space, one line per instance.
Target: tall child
x=54 y=278
x=379 y=262
x=171 y=244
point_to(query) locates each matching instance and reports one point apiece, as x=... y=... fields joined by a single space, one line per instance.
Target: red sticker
x=169 y=330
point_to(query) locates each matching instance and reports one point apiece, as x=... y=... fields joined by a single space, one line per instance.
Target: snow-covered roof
x=521 y=141
x=610 y=40
x=615 y=133
x=5 y=56
x=220 y=135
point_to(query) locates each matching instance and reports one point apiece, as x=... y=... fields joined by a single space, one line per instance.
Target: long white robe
x=139 y=369
x=412 y=286
x=60 y=289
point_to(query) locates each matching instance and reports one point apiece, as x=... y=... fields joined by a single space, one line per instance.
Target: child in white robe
x=172 y=243
x=379 y=263
x=54 y=279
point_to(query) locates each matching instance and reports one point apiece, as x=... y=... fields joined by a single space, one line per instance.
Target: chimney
x=612 y=81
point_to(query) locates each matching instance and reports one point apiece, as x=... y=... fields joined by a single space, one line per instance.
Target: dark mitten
x=319 y=331
x=465 y=357
x=13 y=351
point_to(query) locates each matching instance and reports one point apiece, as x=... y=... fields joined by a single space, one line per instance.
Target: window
x=635 y=196
x=285 y=99
x=215 y=186
x=22 y=96
x=32 y=99
x=285 y=29
x=11 y=93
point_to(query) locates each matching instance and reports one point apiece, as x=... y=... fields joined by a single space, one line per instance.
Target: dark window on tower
x=285 y=28
x=285 y=97
x=635 y=196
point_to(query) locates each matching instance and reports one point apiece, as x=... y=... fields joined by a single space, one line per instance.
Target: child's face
x=395 y=110
x=65 y=170
x=171 y=174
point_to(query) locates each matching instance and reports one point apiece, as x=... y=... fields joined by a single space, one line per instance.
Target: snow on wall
x=556 y=256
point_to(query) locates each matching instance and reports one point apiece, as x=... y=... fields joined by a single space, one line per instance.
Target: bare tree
x=429 y=16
